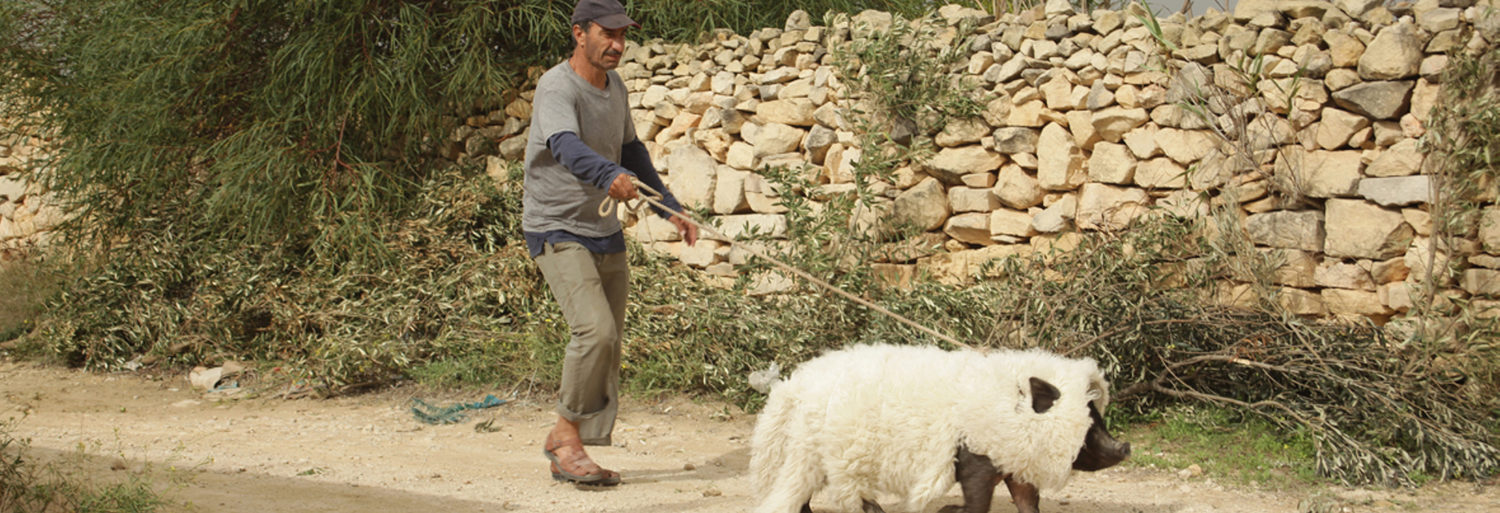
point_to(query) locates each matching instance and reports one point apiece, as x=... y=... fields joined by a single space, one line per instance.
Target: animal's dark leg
x=807 y=507
x=871 y=507
x=1024 y=495
x=977 y=476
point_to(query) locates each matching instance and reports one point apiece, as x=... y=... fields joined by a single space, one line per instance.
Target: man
x=582 y=150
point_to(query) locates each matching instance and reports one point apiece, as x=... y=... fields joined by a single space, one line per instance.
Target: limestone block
x=741 y=155
x=1438 y=20
x=1113 y=122
x=899 y=276
x=1099 y=96
x=1057 y=216
x=741 y=226
x=1356 y=8
x=1482 y=282
x=1335 y=127
x=715 y=141
x=794 y=112
x=924 y=206
x=1142 y=141
x=1388 y=271
x=1354 y=302
x=951 y=164
x=1081 y=124
x=965 y=199
x=1343 y=48
x=1397 y=191
x=1014 y=223
x=1399 y=296
x=979 y=180
x=1377 y=100
x=830 y=191
x=775 y=138
x=1359 y=229
x=1396 y=53
x=1111 y=163
x=831 y=116
x=970 y=228
x=1059 y=161
x=1106 y=207
x=646 y=128
x=1027 y=114
x=1401 y=159
x=1328 y=174
x=1301 y=302
x=1489 y=230
x=1017 y=189
x=1302 y=230
x=1294 y=268
x=769 y=283
x=1336 y=274
x=947 y=268
x=979 y=62
x=692 y=173
x=514 y=148
x=652 y=228
x=1235 y=295
x=871 y=219
x=1216 y=170
x=702 y=254
x=729 y=191
x=1186 y=146
x=1185 y=204
x=1160 y=173
x=1422 y=260
x=1013 y=140
x=962 y=132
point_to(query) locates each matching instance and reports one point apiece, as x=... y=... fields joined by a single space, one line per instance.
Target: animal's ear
x=1043 y=394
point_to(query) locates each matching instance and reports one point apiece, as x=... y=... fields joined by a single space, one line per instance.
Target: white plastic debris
x=762 y=380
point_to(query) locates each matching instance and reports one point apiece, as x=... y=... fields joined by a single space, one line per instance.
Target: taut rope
x=651 y=196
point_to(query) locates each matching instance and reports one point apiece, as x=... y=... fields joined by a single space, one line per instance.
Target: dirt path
x=368 y=454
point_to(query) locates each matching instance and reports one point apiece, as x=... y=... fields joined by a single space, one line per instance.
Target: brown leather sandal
x=592 y=474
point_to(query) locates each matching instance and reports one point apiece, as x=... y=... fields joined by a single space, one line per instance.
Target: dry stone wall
x=26 y=212
x=1088 y=130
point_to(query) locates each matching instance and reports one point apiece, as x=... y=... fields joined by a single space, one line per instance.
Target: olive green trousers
x=591 y=290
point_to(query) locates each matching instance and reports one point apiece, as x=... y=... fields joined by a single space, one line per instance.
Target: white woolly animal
x=873 y=422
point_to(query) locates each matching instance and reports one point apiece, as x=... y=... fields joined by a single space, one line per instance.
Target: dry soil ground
x=367 y=453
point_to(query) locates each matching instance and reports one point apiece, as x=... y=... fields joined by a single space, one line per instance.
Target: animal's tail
x=768 y=444
x=784 y=477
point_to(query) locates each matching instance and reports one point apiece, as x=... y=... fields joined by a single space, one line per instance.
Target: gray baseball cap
x=607 y=13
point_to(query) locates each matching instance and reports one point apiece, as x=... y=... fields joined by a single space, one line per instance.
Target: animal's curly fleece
x=884 y=422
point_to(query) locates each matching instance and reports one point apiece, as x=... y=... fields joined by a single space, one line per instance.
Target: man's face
x=601 y=47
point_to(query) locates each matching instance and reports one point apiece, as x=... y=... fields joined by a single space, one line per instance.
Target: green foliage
x=259 y=121
x=904 y=83
x=463 y=285
x=30 y=486
x=1462 y=136
x=31 y=283
x=1222 y=442
x=675 y=20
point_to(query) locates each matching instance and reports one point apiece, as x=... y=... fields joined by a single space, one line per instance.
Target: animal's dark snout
x=1100 y=450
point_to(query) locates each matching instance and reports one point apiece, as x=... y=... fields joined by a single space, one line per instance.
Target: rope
x=650 y=195
x=431 y=414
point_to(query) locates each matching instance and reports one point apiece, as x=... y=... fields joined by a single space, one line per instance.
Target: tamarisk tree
x=257 y=120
